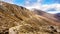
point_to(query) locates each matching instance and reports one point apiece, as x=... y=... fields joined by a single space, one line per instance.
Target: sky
x=50 y=6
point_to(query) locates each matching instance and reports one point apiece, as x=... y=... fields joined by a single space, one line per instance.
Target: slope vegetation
x=19 y=20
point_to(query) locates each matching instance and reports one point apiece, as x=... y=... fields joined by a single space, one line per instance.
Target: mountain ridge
x=47 y=15
x=15 y=19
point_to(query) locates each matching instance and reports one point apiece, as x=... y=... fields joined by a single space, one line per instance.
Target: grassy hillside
x=19 y=20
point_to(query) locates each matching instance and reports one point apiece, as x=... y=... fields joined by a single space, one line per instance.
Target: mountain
x=19 y=20
x=55 y=17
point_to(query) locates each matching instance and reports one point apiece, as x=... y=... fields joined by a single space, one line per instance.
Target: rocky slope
x=19 y=20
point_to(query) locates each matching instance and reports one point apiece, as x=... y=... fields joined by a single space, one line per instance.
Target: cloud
x=1 y=0
x=27 y=2
x=38 y=1
x=55 y=6
x=45 y=7
x=34 y=5
x=9 y=1
x=54 y=12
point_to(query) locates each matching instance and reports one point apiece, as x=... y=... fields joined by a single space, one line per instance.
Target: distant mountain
x=55 y=17
x=19 y=20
